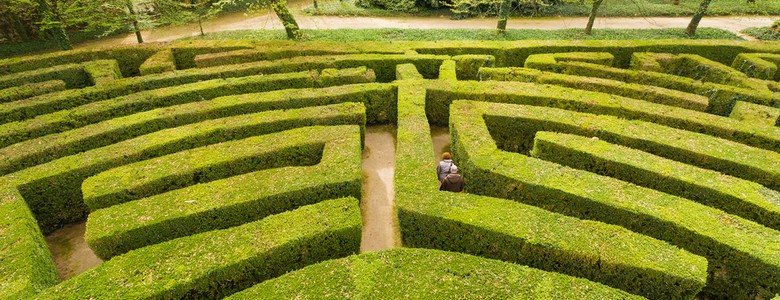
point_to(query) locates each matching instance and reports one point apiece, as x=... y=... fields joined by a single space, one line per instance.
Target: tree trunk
x=675 y=2
x=50 y=23
x=691 y=30
x=134 y=17
x=503 y=15
x=290 y=26
x=592 y=18
x=200 y=25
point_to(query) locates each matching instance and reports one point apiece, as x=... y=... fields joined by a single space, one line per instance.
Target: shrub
x=61 y=179
x=730 y=194
x=227 y=202
x=732 y=245
x=199 y=267
x=523 y=234
x=758 y=65
x=160 y=62
x=31 y=90
x=385 y=274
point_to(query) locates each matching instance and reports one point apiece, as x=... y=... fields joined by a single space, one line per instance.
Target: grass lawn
x=390 y=34
x=763 y=33
x=613 y=8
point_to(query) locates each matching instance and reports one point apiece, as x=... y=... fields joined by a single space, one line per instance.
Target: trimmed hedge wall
x=743 y=263
x=733 y=195
x=160 y=62
x=235 y=200
x=42 y=105
x=437 y=275
x=448 y=70
x=722 y=97
x=26 y=265
x=699 y=68
x=53 y=190
x=198 y=267
x=758 y=65
x=73 y=75
x=31 y=90
x=441 y=93
x=122 y=106
x=635 y=91
x=378 y=98
x=549 y=61
x=756 y=114
x=519 y=233
x=128 y=58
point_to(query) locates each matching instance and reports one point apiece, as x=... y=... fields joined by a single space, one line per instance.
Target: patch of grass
x=347 y=8
x=763 y=33
x=632 y=8
x=392 y=34
x=614 y=8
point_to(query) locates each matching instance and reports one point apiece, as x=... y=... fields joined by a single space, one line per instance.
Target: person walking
x=453 y=182
x=443 y=169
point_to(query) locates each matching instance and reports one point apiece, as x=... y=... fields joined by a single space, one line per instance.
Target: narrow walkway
x=71 y=254
x=380 y=230
x=239 y=21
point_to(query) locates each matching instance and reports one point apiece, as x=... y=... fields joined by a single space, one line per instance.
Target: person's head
x=454 y=169
x=446 y=155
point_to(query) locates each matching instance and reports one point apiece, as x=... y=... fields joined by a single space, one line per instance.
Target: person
x=444 y=165
x=453 y=182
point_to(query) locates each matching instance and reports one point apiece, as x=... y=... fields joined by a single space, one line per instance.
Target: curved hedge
x=741 y=248
x=228 y=202
x=198 y=266
x=185 y=234
x=524 y=234
x=439 y=275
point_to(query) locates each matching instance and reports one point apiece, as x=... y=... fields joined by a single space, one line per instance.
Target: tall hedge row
x=742 y=262
x=191 y=208
x=524 y=234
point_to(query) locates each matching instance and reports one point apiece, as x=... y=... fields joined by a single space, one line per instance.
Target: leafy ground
x=572 y=8
x=389 y=34
x=763 y=33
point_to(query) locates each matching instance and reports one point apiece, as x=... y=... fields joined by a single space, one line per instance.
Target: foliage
x=393 y=34
x=763 y=33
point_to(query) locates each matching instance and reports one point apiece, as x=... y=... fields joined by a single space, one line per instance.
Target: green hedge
x=122 y=106
x=128 y=58
x=31 y=90
x=53 y=190
x=758 y=65
x=635 y=91
x=743 y=262
x=698 y=68
x=386 y=275
x=739 y=160
x=378 y=98
x=524 y=234
x=232 y=201
x=26 y=265
x=756 y=114
x=215 y=264
x=441 y=93
x=448 y=70
x=406 y=72
x=251 y=55
x=160 y=62
x=467 y=66
x=69 y=99
x=733 y=195
x=549 y=61
x=102 y=72
x=73 y=75
x=721 y=97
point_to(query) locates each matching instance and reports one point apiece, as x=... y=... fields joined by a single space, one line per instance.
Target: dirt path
x=71 y=254
x=379 y=228
x=239 y=21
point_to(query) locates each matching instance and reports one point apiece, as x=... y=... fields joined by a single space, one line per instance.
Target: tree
x=503 y=15
x=592 y=17
x=280 y=9
x=691 y=30
x=110 y=16
x=50 y=23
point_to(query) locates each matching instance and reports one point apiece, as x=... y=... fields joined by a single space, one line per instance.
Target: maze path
x=210 y=224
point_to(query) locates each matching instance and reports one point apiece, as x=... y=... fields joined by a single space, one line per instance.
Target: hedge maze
x=210 y=170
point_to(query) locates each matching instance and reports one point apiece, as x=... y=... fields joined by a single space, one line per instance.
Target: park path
x=239 y=21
